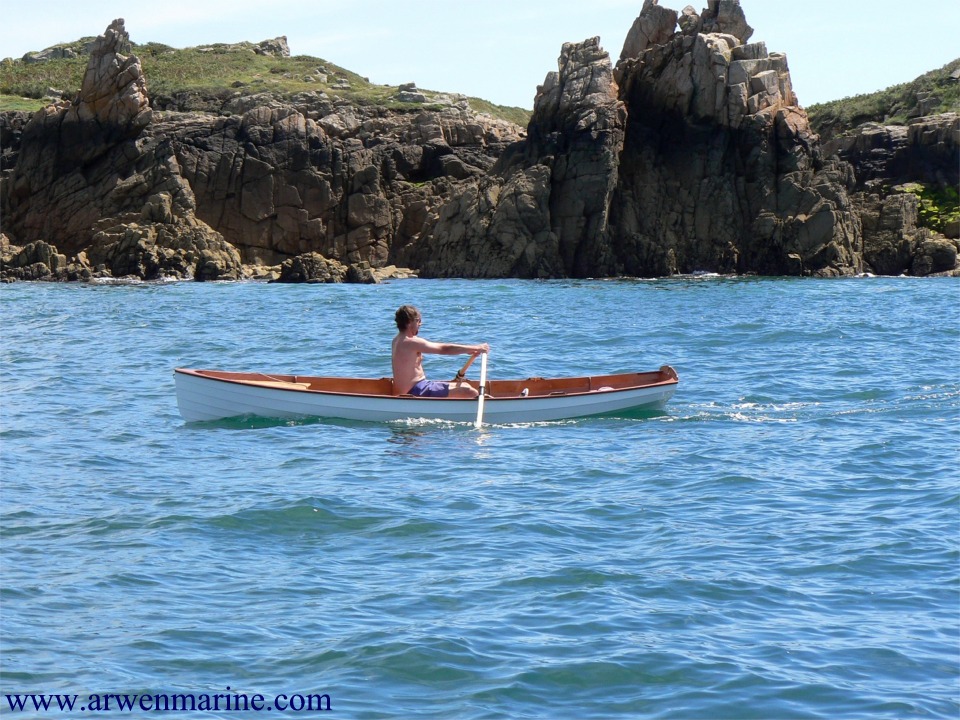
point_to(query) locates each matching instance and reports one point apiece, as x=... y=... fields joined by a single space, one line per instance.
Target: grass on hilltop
x=211 y=70
x=214 y=69
x=932 y=93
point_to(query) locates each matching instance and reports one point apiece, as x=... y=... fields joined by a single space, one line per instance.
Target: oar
x=483 y=389
x=463 y=371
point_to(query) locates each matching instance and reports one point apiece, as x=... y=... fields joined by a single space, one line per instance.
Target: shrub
x=934 y=92
x=938 y=207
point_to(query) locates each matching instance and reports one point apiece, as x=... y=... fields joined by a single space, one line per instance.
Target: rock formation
x=130 y=191
x=886 y=159
x=691 y=153
x=89 y=182
x=543 y=209
x=279 y=180
x=720 y=169
x=925 y=151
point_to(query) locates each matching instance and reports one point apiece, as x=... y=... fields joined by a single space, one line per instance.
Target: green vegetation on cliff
x=935 y=92
x=215 y=71
x=938 y=207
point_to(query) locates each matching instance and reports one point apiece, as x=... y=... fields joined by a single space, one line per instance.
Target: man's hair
x=405 y=315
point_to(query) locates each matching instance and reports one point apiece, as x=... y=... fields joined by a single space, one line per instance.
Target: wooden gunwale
x=504 y=389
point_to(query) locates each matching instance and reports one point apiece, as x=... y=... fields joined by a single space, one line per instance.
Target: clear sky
x=501 y=50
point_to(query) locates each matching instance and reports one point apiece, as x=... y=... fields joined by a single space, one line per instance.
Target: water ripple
x=780 y=542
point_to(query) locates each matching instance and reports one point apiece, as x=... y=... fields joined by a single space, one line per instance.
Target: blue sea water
x=783 y=541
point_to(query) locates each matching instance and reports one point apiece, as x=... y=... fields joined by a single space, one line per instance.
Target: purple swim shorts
x=430 y=388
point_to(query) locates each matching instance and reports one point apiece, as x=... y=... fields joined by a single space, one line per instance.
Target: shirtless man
x=408 y=349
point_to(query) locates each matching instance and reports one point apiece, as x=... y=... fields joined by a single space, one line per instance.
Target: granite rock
x=690 y=153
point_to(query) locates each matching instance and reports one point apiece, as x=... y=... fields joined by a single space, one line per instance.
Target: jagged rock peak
x=654 y=26
x=721 y=77
x=726 y=17
x=114 y=91
x=582 y=95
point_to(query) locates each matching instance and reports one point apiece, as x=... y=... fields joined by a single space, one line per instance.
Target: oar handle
x=463 y=371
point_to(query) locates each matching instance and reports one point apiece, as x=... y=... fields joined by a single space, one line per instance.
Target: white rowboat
x=204 y=395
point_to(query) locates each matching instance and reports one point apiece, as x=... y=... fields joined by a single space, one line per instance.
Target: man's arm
x=426 y=346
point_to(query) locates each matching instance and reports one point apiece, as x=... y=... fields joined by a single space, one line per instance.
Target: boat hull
x=204 y=395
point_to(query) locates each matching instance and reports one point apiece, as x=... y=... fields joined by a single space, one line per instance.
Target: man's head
x=406 y=315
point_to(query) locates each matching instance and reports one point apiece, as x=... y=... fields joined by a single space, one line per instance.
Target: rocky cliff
x=91 y=183
x=690 y=153
x=890 y=161
x=108 y=187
